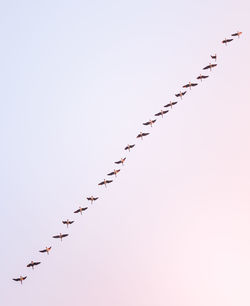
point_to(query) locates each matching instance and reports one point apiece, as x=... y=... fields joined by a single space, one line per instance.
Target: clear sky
x=78 y=79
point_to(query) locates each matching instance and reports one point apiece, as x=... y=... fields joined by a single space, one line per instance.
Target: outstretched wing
x=111 y=173
x=36 y=263
x=16 y=279
x=101 y=183
x=42 y=251
x=109 y=181
x=57 y=236
x=145 y=134
x=64 y=235
x=146 y=123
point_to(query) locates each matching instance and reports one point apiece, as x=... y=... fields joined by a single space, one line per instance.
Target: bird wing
x=24 y=277
x=77 y=211
x=177 y=95
x=109 y=181
x=42 y=251
x=145 y=134
x=101 y=183
x=70 y=222
x=57 y=236
x=64 y=235
x=186 y=86
x=29 y=265
x=194 y=84
x=16 y=279
x=146 y=123
x=206 y=67
x=64 y=222
x=183 y=93
x=37 y=263
x=111 y=173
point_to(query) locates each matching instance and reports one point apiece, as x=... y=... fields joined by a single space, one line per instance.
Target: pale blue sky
x=78 y=79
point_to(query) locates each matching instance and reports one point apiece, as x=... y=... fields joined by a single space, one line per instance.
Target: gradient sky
x=78 y=78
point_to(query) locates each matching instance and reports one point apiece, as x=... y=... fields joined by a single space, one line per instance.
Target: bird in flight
x=114 y=172
x=92 y=199
x=33 y=263
x=150 y=122
x=141 y=135
x=161 y=113
x=200 y=77
x=180 y=94
x=210 y=66
x=170 y=104
x=128 y=147
x=214 y=57
x=237 y=34
x=61 y=236
x=80 y=210
x=45 y=250
x=20 y=279
x=67 y=222
x=121 y=161
x=190 y=85
x=105 y=182
x=226 y=41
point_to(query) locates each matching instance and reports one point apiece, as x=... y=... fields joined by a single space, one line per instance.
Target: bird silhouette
x=61 y=236
x=190 y=85
x=121 y=161
x=128 y=147
x=180 y=94
x=105 y=182
x=226 y=41
x=210 y=66
x=92 y=199
x=46 y=250
x=150 y=122
x=170 y=104
x=20 y=279
x=33 y=263
x=201 y=77
x=141 y=135
x=114 y=172
x=161 y=113
x=67 y=222
x=80 y=210
x=237 y=34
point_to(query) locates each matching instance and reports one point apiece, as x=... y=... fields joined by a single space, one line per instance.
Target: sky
x=78 y=79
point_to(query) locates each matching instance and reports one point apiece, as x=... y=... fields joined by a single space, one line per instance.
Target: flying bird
x=92 y=199
x=190 y=85
x=128 y=147
x=226 y=40
x=114 y=172
x=161 y=113
x=80 y=210
x=105 y=182
x=33 y=263
x=141 y=135
x=171 y=104
x=180 y=94
x=67 y=222
x=61 y=236
x=200 y=77
x=237 y=34
x=210 y=66
x=20 y=279
x=150 y=122
x=45 y=250
x=214 y=57
x=121 y=161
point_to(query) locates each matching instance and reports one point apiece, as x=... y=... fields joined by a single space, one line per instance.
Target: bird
x=237 y=34
x=105 y=182
x=171 y=104
x=180 y=94
x=33 y=263
x=189 y=85
x=200 y=77
x=161 y=113
x=80 y=210
x=67 y=222
x=141 y=135
x=20 y=279
x=226 y=40
x=46 y=250
x=150 y=122
x=128 y=147
x=214 y=57
x=61 y=236
x=114 y=172
x=210 y=66
x=92 y=199
x=121 y=161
